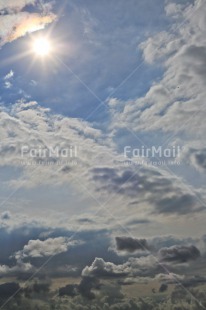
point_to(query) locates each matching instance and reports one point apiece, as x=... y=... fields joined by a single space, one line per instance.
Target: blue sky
x=120 y=74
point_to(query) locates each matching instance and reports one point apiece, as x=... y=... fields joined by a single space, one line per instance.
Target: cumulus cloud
x=48 y=247
x=179 y=254
x=32 y=242
x=18 y=269
x=158 y=47
x=35 y=249
x=86 y=285
x=135 y=266
x=100 y=268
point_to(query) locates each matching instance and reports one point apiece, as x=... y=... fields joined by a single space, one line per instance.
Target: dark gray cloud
x=68 y=290
x=8 y=289
x=86 y=285
x=84 y=288
x=179 y=203
x=198 y=158
x=179 y=254
x=131 y=245
x=171 y=240
x=6 y=215
x=163 y=192
x=138 y=222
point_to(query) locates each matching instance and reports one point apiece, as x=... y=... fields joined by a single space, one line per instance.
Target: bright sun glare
x=42 y=46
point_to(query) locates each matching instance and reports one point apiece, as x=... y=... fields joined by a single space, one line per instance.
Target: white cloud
x=9 y=75
x=48 y=247
x=17 y=23
x=143 y=266
x=15 y=26
x=7 y=85
x=174 y=10
x=15 y=5
x=175 y=103
x=101 y=268
x=30 y=125
x=17 y=269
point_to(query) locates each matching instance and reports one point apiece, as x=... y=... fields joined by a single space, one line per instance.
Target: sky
x=102 y=140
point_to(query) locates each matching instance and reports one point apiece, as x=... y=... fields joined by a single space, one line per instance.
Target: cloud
x=169 y=278
x=8 y=289
x=154 y=191
x=16 y=23
x=48 y=247
x=198 y=158
x=138 y=221
x=84 y=288
x=86 y=285
x=15 y=5
x=7 y=85
x=100 y=268
x=32 y=125
x=9 y=75
x=181 y=203
x=6 y=215
x=19 y=269
x=174 y=10
x=175 y=103
x=131 y=245
x=165 y=193
x=15 y=26
x=145 y=266
x=7 y=79
x=158 y=47
x=30 y=242
x=179 y=254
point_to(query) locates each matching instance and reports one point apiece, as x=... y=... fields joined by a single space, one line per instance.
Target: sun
x=42 y=47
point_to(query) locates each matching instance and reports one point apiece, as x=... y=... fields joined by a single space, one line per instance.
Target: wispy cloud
x=9 y=75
